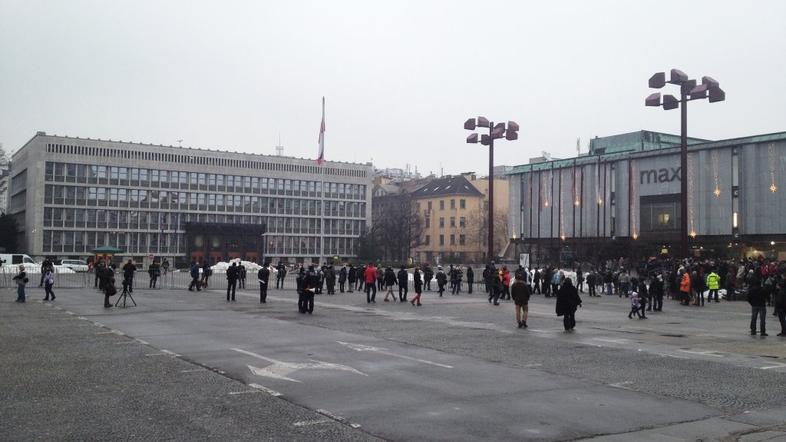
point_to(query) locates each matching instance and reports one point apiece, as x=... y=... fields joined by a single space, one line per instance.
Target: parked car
x=76 y=265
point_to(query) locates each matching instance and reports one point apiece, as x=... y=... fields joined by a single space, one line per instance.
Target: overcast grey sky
x=399 y=77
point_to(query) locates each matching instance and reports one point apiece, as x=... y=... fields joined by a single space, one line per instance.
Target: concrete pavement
x=458 y=369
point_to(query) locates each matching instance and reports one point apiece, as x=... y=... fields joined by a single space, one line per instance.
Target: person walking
x=713 y=284
x=263 y=276
x=380 y=278
x=194 y=277
x=536 y=281
x=98 y=269
x=403 y=284
x=591 y=283
x=580 y=280
x=442 y=279
x=21 y=280
x=389 y=279
x=635 y=305
x=241 y=275
x=470 y=279
x=505 y=283
x=520 y=293
x=232 y=276
x=370 y=278
x=342 y=278
x=418 y=288
x=165 y=266
x=457 y=276
x=49 y=282
x=154 y=270
x=568 y=301
x=496 y=288
x=282 y=272
x=206 y=273
x=779 y=304
x=108 y=285
x=656 y=292
x=352 y=278
x=428 y=275
x=758 y=304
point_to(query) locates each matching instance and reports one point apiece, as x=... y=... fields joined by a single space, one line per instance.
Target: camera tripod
x=125 y=296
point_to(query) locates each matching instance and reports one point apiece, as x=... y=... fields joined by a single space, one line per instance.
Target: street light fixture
x=500 y=130
x=689 y=90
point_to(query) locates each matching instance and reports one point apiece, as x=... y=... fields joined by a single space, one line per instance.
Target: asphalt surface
x=456 y=368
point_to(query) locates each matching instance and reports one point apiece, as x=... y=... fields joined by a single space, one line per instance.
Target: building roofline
x=197 y=149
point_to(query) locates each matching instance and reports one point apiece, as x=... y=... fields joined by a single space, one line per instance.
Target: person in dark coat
x=352 y=278
x=330 y=280
x=779 y=304
x=232 y=275
x=656 y=292
x=129 y=269
x=758 y=302
x=403 y=284
x=310 y=285
x=418 y=288
x=194 y=277
x=282 y=273
x=428 y=275
x=496 y=288
x=263 y=275
x=389 y=280
x=154 y=270
x=342 y=278
x=520 y=293
x=568 y=301
x=442 y=279
x=470 y=279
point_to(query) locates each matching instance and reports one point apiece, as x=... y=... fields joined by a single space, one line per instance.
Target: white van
x=76 y=265
x=8 y=259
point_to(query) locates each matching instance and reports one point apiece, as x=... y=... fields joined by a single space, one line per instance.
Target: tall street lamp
x=689 y=90
x=495 y=131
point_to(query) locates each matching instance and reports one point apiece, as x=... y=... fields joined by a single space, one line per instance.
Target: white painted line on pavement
x=622 y=385
x=156 y=354
x=613 y=340
x=337 y=417
x=233 y=393
x=104 y=332
x=265 y=389
x=117 y=332
x=170 y=353
x=142 y=341
x=309 y=423
x=714 y=354
x=361 y=347
x=125 y=342
x=98 y=324
x=779 y=365
x=193 y=370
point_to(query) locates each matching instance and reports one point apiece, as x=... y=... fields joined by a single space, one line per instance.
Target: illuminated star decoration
x=773 y=188
x=692 y=233
x=716 y=192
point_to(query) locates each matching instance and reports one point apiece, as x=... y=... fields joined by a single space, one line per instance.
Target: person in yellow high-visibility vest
x=713 y=284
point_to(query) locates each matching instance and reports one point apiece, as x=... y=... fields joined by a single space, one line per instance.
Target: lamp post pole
x=689 y=90
x=495 y=131
x=490 y=246
x=683 y=172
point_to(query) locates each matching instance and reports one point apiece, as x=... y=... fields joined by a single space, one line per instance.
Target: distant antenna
x=180 y=143
x=546 y=155
x=279 y=147
x=578 y=146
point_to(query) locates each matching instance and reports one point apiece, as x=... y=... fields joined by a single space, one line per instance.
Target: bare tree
x=397 y=228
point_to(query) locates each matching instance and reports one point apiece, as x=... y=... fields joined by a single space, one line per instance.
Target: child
x=49 y=281
x=635 y=305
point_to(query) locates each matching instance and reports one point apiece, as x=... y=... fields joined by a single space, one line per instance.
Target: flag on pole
x=321 y=155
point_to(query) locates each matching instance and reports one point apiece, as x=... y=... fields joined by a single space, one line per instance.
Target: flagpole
x=322 y=192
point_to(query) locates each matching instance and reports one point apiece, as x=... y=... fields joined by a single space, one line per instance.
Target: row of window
x=161 y=199
x=462 y=222
x=189 y=158
x=172 y=179
x=166 y=221
x=462 y=240
x=462 y=204
x=57 y=241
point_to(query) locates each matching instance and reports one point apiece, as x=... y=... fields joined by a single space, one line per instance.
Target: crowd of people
x=645 y=284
